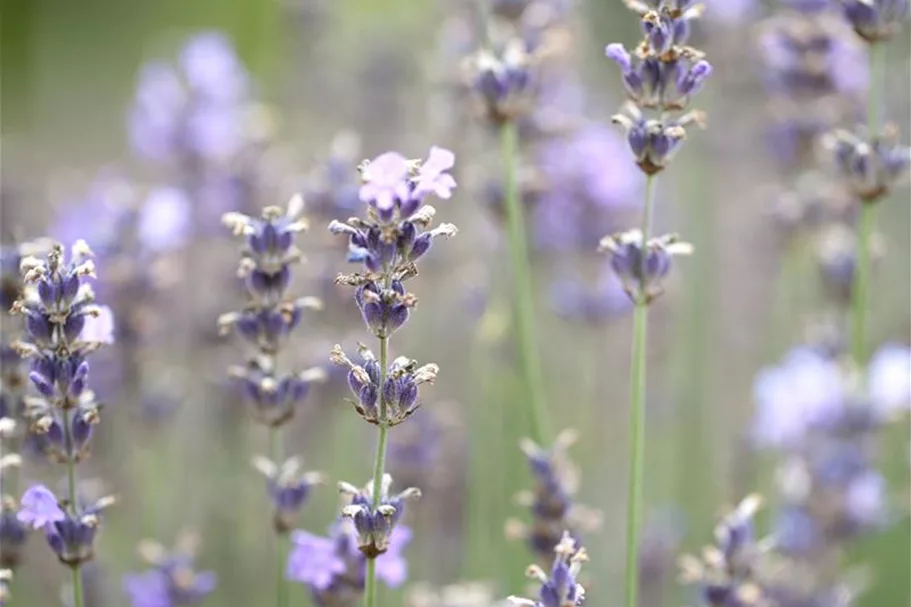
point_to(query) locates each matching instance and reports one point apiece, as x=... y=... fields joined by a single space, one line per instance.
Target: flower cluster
x=64 y=327
x=375 y=520
x=70 y=529
x=813 y=410
x=171 y=580
x=560 y=588
x=392 y=399
x=661 y=74
x=876 y=20
x=815 y=73
x=334 y=568
x=289 y=488
x=551 y=504
x=194 y=112
x=732 y=572
x=269 y=316
x=870 y=167
x=641 y=267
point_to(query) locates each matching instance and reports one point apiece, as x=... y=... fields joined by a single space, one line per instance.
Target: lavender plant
x=661 y=75
x=389 y=241
x=818 y=415
x=870 y=162
x=505 y=77
x=266 y=323
x=64 y=327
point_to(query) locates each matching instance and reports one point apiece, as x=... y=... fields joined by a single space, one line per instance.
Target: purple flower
x=804 y=390
x=154 y=119
x=39 y=508
x=731 y=11
x=98 y=216
x=432 y=176
x=164 y=221
x=583 y=191
x=385 y=181
x=212 y=68
x=314 y=560
x=171 y=584
x=889 y=378
x=865 y=499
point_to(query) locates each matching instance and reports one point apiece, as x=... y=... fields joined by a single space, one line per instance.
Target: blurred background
x=325 y=84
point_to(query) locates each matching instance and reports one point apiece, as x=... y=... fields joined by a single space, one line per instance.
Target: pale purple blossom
x=865 y=500
x=39 y=508
x=802 y=391
x=889 y=378
x=164 y=221
x=212 y=68
x=385 y=181
x=432 y=176
x=314 y=560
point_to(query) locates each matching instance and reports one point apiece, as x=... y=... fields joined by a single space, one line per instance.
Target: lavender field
x=455 y=303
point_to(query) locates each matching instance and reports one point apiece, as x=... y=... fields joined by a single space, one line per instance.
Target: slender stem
x=637 y=420
x=861 y=287
x=378 y=471
x=72 y=495
x=276 y=454
x=524 y=288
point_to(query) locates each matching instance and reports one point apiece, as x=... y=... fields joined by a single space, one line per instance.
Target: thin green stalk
x=378 y=470
x=861 y=287
x=524 y=289
x=634 y=503
x=276 y=454
x=72 y=494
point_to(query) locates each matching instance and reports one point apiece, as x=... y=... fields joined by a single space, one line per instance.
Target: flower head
x=876 y=20
x=375 y=524
x=172 y=580
x=39 y=508
x=642 y=267
x=560 y=588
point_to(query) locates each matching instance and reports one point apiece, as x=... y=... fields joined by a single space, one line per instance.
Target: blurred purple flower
x=172 y=584
x=385 y=181
x=196 y=110
x=865 y=500
x=313 y=560
x=432 y=176
x=212 y=68
x=584 y=186
x=803 y=390
x=575 y=299
x=39 y=508
x=164 y=221
x=889 y=378
x=98 y=217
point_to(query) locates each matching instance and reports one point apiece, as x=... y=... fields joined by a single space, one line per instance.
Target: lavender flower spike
x=375 y=520
x=289 y=488
x=641 y=268
x=39 y=508
x=876 y=20
x=560 y=588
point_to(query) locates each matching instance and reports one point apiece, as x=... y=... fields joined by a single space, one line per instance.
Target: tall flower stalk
x=873 y=163
x=660 y=76
x=64 y=327
x=388 y=242
x=273 y=393
x=524 y=292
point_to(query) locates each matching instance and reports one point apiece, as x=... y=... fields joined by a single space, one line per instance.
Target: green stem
x=378 y=471
x=276 y=454
x=634 y=504
x=861 y=287
x=524 y=289
x=72 y=494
